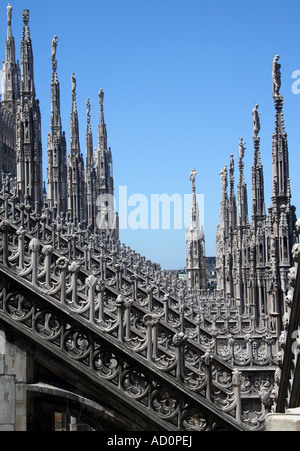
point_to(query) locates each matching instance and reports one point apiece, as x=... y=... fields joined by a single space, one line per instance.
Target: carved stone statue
x=101 y=97
x=224 y=178
x=9 y=14
x=276 y=73
x=256 y=121
x=26 y=16
x=192 y=179
x=73 y=85
x=241 y=149
x=54 y=47
x=88 y=108
x=231 y=169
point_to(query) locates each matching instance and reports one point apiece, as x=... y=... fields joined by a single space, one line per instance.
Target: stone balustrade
x=195 y=338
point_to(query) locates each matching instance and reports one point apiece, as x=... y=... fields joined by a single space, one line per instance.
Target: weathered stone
x=2 y=352
x=7 y=400
x=290 y=421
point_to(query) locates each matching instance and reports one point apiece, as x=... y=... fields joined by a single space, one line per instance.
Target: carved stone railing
x=231 y=345
x=106 y=361
x=210 y=316
x=194 y=341
x=287 y=380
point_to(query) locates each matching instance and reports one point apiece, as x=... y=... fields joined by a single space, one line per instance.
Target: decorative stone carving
x=256 y=121
x=276 y=74
x=54 y=47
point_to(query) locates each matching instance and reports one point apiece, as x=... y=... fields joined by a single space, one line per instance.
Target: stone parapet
x=289 y=421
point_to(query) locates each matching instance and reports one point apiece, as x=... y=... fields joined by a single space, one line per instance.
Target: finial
x=192 y=179
x=53 y=56
x=26 y=16
x=276 y=74
x=101 y=97
x=231 y=168
x=241 y=148
x=73 y=78
x=9 y=14
x=88 y=109
x=224 y=178
x=256 y=121
x=54 y=47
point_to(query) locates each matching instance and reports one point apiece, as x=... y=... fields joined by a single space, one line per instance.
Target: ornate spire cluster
x=75 y=179
x=253 y=260
x=242 y=189
x=28 y=126
x=97 y=304
x=83 y=192
x=281 y=194
x=56 y=145
x=10 y=69
x=195 y=261
x=90 y=187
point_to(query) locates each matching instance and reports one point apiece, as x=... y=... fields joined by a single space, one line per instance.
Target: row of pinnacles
x=195 y=242
x=253 y=259
x=81 y=192
x=214 y=345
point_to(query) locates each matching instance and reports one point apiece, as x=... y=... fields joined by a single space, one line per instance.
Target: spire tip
x=9 y=14
x=101 y=96
x=26 y=16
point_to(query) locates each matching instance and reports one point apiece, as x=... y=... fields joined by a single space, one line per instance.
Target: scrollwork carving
x=193 y=420
x=135 y=384
x=19 y=307
x=48 y=325
x=165 y=403
x=76 y=344
x=106 y=363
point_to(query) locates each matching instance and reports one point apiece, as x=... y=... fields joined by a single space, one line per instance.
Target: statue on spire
x=9 y=14
x=256 y=121
x=73 y=78
x=276 y=73
x=241 y=149
x=26 y=16
x=224 y=178
x=88 y=110
x=54 y=47
x=231 y=169
x=101 y=98
x=53 y=56
x=192 y=179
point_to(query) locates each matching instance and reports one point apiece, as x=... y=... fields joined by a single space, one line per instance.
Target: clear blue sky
x=180 y=82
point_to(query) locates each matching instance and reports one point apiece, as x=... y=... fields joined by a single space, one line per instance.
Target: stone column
x=12 y=386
